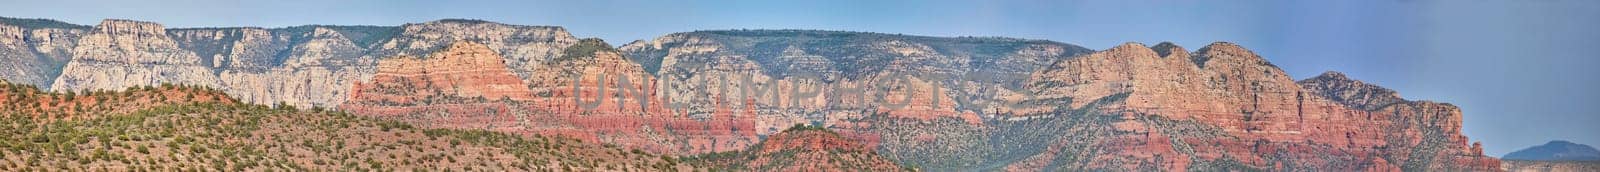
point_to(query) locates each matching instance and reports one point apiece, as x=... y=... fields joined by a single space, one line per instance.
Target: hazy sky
x=1524 y=72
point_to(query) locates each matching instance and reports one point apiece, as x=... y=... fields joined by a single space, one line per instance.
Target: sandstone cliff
x=461 y=86
x=123 y=53
x=35 y=50
x=1223 y=107
x=590 y=93
x=304 y=65
x=931 y=102
x=1165 y=108
x=835 y=77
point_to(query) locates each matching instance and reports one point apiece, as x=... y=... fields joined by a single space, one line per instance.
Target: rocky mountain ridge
x=311 y=65
x=931 y=102
x=1557 y=150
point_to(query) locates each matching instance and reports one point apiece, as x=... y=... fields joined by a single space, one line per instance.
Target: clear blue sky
x=1524 y=72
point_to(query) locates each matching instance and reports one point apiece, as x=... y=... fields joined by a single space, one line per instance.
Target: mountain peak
x=1130 y=46
x=1224 y=45
x=1354 y=93
x=1333 y=76
x=1227 y=48
x=1167 y=48
x=1557 y=150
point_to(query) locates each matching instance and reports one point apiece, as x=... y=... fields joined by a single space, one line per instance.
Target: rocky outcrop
x=524 y=48
x=465 y=78
x=123 y=53
x=457 y=73
x=35 y=50
x=834 y=77
x=1338 y=88
x=1225 y=107
x=316 y=67
x=303 y=65
x=1165 y=108
x=572 y=100
x=931 y=102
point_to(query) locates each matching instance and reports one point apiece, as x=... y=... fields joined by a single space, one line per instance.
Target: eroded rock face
x=35 y=50
x=461 y=86
x=303 y=66
x=1224 y=107
x=1337 y=87
x=123 y=53
x=467 y=86
x=839 y=78
x=934 y=103
x=523 y=47
x=464 y=70
x=1135 y=107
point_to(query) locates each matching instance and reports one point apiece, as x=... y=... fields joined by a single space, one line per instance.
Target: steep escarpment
x=1165 y=108
x=297 y=65
x=937 y=103
x=594 y=92
x=35 y=50
x=123 y=53
x=524 y=48
x=465 y=78
x=782 y=77
x=1222 y=107
x=591 y=93
x=310 y=65
x=801 y=148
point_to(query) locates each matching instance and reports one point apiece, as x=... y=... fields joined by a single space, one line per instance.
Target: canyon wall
x=938 y=103
x=312 y=65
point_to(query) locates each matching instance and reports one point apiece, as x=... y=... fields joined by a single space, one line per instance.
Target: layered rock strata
x=310 y=65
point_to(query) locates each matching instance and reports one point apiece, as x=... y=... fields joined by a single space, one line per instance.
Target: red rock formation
x=442 y=90
x=459 y=87
x=1129 y=107
x=1266 y=120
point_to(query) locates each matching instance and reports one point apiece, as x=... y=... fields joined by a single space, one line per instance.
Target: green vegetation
x=176 y=135
x=40 y=23
x=585 y=48
x=804 y=127
x=794 y=149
